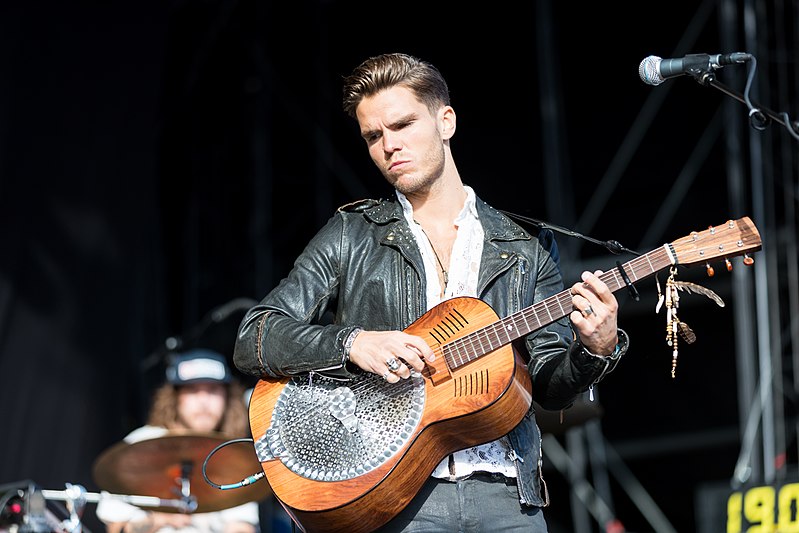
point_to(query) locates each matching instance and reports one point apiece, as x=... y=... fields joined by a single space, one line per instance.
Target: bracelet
x=618 y=351
x=348 y=344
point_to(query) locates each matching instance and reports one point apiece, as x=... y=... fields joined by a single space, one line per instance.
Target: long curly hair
x=235 y=420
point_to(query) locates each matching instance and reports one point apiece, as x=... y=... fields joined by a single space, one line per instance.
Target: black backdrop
x=160 y=160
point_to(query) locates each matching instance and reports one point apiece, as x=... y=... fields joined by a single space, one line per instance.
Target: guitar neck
x=545 y=312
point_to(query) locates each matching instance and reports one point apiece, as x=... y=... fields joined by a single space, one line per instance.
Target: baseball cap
x=198 y=366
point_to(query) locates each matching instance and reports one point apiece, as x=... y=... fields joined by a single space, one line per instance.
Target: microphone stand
x=176 y=343
x=759 y=116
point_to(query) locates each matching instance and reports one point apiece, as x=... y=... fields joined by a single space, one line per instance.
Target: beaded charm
x=675 y=328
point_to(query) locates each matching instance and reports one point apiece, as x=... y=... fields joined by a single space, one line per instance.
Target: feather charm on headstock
x=735 y=238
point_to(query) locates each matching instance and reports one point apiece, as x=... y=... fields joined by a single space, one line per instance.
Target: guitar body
x=457 y=406
x=350 y=455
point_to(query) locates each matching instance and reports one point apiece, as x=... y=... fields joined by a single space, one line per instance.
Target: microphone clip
x=698 y=66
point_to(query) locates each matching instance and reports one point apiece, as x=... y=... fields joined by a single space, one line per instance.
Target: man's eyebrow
x=404 y=119
x=413 y=115
x=369 y=132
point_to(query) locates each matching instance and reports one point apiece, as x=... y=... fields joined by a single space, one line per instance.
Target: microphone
x=653 y=70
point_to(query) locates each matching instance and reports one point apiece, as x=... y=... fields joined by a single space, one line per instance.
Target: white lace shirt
x=463 y=272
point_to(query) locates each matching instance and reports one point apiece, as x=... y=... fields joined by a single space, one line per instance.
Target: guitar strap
x=615 y=247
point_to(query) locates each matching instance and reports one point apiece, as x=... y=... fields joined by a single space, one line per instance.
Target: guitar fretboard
x=489 y=338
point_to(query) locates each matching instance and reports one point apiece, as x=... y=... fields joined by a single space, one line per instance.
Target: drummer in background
x=201 y=395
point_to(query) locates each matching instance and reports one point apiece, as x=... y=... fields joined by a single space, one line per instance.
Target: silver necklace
x=440 y=265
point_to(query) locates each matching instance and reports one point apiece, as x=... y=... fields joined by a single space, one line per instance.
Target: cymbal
x=155 y=467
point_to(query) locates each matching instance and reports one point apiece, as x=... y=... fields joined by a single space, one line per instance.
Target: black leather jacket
x=364 y=269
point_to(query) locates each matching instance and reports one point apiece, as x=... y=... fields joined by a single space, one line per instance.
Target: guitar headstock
x=735 y=237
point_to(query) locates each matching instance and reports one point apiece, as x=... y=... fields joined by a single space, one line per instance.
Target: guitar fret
x=617 y=279
x=508 y=327
x=636 y=266
x=549 y=313
x=526 y=322
x=672 y=258
x=651 y=266
x=560 y=304
x=472 y=348
x=447 y=349
x=520 y=325
x=458 y=355
x=565 y=297
x=491 y=337
x=480 y=337
x=634 y=271
x=446 y=330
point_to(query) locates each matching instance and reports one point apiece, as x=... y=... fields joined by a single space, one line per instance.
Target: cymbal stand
x=185 y=485
x=185 y=505
x=75 y=503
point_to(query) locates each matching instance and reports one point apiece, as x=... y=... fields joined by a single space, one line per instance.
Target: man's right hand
x=373 y=351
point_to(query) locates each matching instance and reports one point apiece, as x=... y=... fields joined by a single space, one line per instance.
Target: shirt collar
x=469 y=206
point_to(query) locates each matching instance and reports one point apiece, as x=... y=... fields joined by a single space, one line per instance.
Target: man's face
x=404 y=138
x=201 y=405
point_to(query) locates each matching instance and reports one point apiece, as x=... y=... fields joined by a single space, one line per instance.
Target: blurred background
x=162 y=164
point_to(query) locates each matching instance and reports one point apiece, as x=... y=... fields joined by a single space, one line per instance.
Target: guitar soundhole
x=472 y=384
x=449 y=325
x=328 y=430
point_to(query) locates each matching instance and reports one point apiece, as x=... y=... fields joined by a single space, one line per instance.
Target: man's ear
x=447 y=120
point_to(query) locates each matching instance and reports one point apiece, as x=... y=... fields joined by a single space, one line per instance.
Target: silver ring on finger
x=392 y=365
x=587 y=311
x=385 y=376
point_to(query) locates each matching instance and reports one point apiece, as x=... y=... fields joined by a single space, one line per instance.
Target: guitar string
x=540 y=312
x=483 y=337
x=540 y=315
x=483 y=333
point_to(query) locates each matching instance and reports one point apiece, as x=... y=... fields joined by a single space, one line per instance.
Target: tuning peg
x=710 y=270
x=729 y=264
x=748 y=261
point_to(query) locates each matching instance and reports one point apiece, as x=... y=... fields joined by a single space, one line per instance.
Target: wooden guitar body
x=350 y=455
x=465 y=406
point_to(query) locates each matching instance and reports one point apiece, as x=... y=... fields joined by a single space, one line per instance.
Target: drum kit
x=184 y=472
x=180 y=472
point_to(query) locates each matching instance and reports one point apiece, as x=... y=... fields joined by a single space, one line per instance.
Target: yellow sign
x=764 y=510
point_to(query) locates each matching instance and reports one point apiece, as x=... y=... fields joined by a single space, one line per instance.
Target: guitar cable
x=249 y=480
